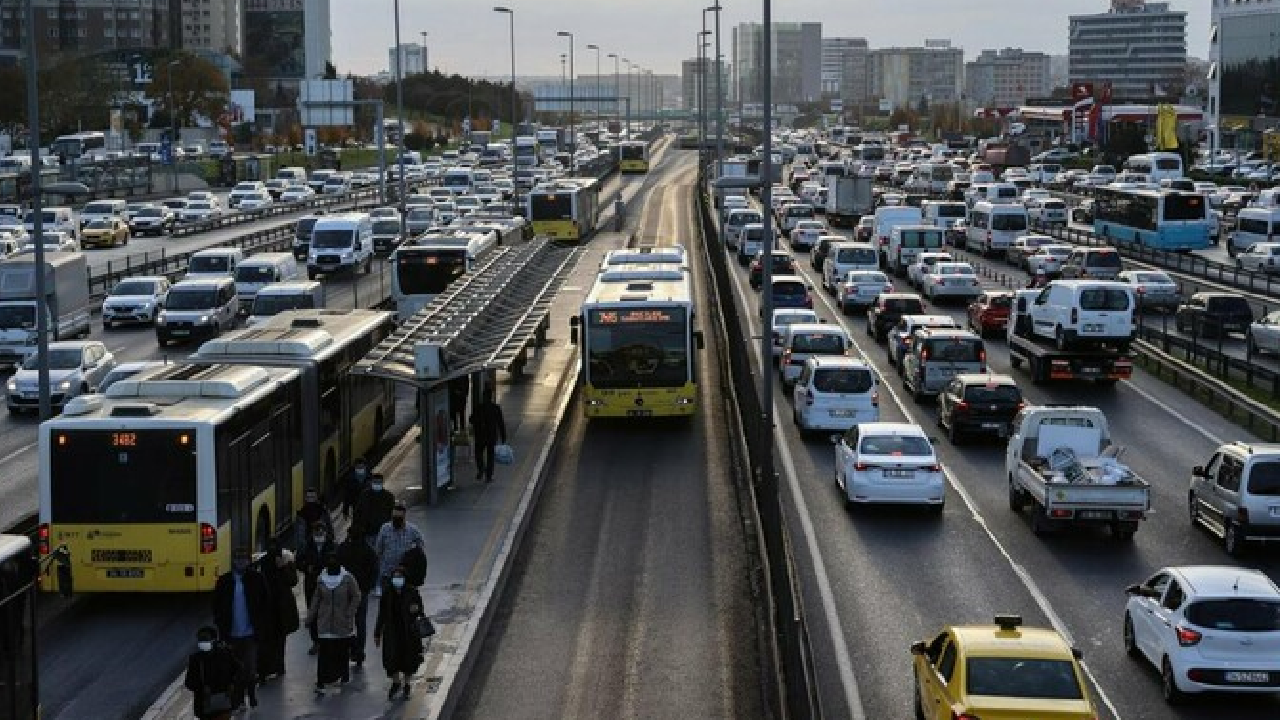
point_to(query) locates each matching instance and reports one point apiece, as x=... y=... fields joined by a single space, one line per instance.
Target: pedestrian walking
x=313 y=511
x=373 y=508
x=362 y=562
x=333 y=613
x=396 y=632
x=394 y=540
x=459 y=392
x=279 y=569
x=243 y=614
x=212 y=672
x=356 y=483
x=319 y=543
x=488 y=429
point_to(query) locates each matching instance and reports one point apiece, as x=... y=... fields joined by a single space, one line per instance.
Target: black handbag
x=425 y=628
x=214 y=702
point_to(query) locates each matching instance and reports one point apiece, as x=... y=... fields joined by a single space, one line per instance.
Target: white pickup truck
x=1062 y=465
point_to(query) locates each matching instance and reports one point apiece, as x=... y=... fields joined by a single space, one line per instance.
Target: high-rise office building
x=1140 y=48
x=286 y=39
x=216 y=25
x=89 y=26
x=844 y=68
x=911 y=76
x=796 y=61
x=691 y=72
x=413 y=55
x=1244 y=64
x=1006 y=78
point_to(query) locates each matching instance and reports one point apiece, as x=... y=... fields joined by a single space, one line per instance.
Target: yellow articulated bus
x=567 y=209
x=638 y=339
x=152 y=485
x=633 y=156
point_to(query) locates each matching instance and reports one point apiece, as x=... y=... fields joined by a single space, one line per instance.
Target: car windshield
x=1022 y=678
x=388 y=227
x=255 y=273
x=58 y=360
x=902 y=445
x=1104 y=259
x=134 y=287
x=1264 y=479
x=789 y=288
x=99 y=225
x=1236 y=614
x=1103 y=298
x=192 y=299
x=858 y=255
x=332 y=239
x=868 y=277
x=17 y=316
x=199 y=206
x=785 y=319
x=1228 y=304
x=818 y=343
x=1000 y=301
x=1008 y=221
x=903 y=305
x=953 y=350
x=842 y=380
x=150 y=212
x=209 y=264
x=1152 y=277
x=992 y=394
x=953 y=269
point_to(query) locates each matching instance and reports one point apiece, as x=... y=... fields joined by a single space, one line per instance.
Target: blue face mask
x=397 y=582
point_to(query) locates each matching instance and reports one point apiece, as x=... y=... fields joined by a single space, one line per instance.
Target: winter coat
x=373 y=509
x=309 y=514
x=334 y=611
x=215 y=671
x=488 y=424
x=397 y=629
x=361 y=561
x=281 y=579
x=311 y=556
x=261 y=610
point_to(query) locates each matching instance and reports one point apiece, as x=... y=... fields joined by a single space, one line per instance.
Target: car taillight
x=1187 y=637
x=861 y=466
x=937 y=281
x=888 y=287
x=982 y=356
x=924 y=356
x=786 y=356
x=1140 y=290
x=961 y=407
x=932 y=468
x=208 y=539
x=1242 y=515
x=42 y=539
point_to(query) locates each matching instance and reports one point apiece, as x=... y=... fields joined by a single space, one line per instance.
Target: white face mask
x=319 y=539
x=397 y=582
x=377 y=487
x=204 y=645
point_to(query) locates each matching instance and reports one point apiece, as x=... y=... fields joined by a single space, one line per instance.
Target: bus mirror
x=62 y=559
x=698 y=339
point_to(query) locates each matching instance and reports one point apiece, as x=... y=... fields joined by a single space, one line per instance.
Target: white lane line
x=1174 y=413
x=16 y=453
x=1041 y=600
x=844 y=659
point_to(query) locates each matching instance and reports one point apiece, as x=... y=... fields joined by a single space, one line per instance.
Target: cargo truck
x=849 y=197
x=1105 y=364
x=66 y=302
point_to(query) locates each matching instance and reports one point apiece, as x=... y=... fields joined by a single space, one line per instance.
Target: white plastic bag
x=504 y=455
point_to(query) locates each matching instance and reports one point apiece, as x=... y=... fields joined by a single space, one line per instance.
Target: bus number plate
x=1095 y=514
x=639 y=413
x=127 y=573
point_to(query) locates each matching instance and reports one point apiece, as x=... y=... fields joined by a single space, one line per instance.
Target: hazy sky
x=467 y=37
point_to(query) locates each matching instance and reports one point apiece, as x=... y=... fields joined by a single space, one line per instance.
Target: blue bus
x=1159 y=219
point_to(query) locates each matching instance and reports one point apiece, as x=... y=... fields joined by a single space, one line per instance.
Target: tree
x=199 y=88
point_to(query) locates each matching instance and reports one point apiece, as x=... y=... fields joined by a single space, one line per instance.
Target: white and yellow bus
x=567 y=209
x=633 y=156
x=151 y=485
x=638 y=340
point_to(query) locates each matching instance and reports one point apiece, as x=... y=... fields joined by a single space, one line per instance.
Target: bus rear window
x=1009 y=221
x=123 y=476
x=1184 y=207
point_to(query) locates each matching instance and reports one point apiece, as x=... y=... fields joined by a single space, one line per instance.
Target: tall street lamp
x=718 y=66
x=422 y=52
x=595 y=47
x=766 y=269
x=617 y=89
x=630 y=67
x=37 y=213
x=174 y=143
x=564 y=76
x=573 y=129
x=515 y=113
x=404 y=231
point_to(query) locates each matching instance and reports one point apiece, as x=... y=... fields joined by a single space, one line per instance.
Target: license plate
x=842 y=413
x=991 y=426
x=1090 y=370
x=1274 y=511
x=1246 y=677
x=127 y=573
x=1095 y=514
x=1092 y=328
x=899 y=473
x=181 y=332
x=639 y=413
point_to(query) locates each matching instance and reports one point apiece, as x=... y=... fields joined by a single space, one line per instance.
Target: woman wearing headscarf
x=396 y=632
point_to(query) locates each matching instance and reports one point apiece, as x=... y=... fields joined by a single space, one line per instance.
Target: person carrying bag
x=211 y=676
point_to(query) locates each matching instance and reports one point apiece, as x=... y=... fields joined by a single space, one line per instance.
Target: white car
x=834 y=393
x=297 y=192
x=255 y=201
x=199 y=210
x=805 y=234
x=1047 y=211
x=54 y=241
x=135 y=300
x=924 y=261
x=1206 y=629
x=952 y=280
x=788 y=316
x=732 y=202
x=889 y=463
x=1263 y=257
x=860 y=288
x=1048 y=258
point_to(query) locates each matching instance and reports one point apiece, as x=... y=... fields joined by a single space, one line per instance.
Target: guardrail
x=244 y=216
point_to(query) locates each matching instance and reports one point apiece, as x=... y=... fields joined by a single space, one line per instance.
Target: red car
x=990 y=312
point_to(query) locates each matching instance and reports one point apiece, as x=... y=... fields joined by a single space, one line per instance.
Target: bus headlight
x=684 y=401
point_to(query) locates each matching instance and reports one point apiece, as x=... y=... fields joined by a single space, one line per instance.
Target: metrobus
x=69 y=147
x=19 y=570
x=425 y=266
x=1159 y=219
x=1156 y=166
x=633 y=156
x=151 y=485
x=638 y=345
x=567 y=209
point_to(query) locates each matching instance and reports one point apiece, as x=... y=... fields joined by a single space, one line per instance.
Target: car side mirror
x=1135 y=589
x=918 y=647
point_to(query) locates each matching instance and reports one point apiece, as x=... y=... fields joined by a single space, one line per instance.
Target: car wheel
x=1169 y=686
x=1130 y=643
x=1231 y=540
x=107 y=324
x=919 y=708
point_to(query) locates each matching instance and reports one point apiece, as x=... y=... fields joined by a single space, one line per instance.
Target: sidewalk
x=471 y=538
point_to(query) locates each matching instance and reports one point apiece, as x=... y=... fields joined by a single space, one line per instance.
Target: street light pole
x=404 y=229
x=617 y=90
x=766 y=268
x=37 y=214
x=629 y=68
x=595 y=47
x=174 y=142
x=719 y=71
x=573 y=128
x=422 y=53
x=515 y=113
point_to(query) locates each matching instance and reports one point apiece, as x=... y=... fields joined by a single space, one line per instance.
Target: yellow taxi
x=104 y=231
x=999 y=672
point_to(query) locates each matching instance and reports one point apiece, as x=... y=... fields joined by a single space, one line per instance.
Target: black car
x=302 y=236
x=783 y=264
x=818 y=253
x=1214 y=313
x=888 y=309
x=978 y=404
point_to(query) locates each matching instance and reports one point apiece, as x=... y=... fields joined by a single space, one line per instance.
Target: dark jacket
x=215 y=672
x=281 y=574
x=257 y=597
x=311 y=556
x=360 y=560
x=490 y=429
x=373 y=510
x=310 y=514
x=397 y=628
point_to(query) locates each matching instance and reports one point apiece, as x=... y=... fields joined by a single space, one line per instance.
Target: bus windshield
x=18 y=573
x=551 y=207
x=637 y=347
x=1183 y=207
x=108 y=476
x=429 y=273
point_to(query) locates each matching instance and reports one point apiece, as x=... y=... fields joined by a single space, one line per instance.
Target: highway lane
x=898 y=576
x=632 y=598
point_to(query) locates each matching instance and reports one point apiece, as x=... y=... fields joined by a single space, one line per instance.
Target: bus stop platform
x=472 y=537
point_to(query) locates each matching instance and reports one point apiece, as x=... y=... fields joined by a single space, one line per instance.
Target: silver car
x=951 y=280
x=1153 y=288
x=1264 y=335
x=76 y=367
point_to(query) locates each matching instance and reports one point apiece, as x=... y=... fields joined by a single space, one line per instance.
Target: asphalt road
x=631 y=598
x=875 y=580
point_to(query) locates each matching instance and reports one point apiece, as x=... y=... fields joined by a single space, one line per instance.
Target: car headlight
x=160 y=319
x=205 y=319
x=13 y=385
x=64 y=385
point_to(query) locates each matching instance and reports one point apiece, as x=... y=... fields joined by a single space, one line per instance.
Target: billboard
x=275 y=38
x=1250 y=65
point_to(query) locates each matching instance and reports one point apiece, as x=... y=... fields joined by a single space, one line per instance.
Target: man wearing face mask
x=242 y=612
x=356 y=484
x=319 y=543
x=313 y=511
x=394 y=540
x=212 y=672
x=396 y=632
x=333 y=613
x=373 y=509
x=360 y=560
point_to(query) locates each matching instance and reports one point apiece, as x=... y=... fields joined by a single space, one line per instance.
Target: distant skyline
x=468 y=38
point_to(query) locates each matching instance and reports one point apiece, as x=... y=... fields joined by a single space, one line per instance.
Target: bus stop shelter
x=485 y=321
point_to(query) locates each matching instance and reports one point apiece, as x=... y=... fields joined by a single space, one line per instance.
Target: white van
x=1001 y=193
x=275 y=298
x=261 y=269
x=888 y=218
x=906 y=242
x=845 y=256
x=993 y=227
x=340 y=242
x=1254 y=225
x=292 y=174
x=1079 y=312
x=214 y=262
x=943 y=214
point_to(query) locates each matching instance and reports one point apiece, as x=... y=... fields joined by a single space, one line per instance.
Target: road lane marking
x=1174 y=413
x=16 y=453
